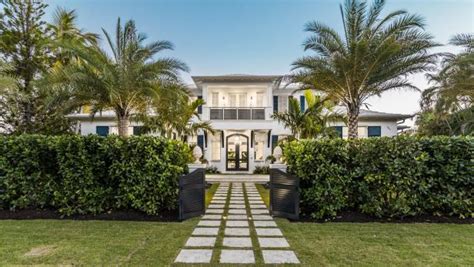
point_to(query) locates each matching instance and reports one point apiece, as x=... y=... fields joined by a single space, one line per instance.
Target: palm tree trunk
x=353 y=121
x=123 y=123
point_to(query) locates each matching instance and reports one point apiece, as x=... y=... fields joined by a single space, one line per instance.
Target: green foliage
x=261 y=170
x=212 y=170
x=311 y=122
x=377 y=52
x=91 y=174
x=385 y=177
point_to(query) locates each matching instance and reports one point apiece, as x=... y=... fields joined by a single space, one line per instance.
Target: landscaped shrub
x=385 y=177
x=261 y=169
x=322 y=168
x=91 y=174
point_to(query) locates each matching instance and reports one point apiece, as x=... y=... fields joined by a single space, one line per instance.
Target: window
x=216 y=147
x=338 y=130
x=259 y=99
x=302 y=102
x=102 y=130
x=232 y=100
x=259 y=147
x=275 y=103
x=215 y=99
x=200 y=106
x=137 y=130
x=200 y=141
x=289 y=100
x=242 y=100
x=374 y=131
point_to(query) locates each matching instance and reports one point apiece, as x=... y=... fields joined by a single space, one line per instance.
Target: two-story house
x=240 y=109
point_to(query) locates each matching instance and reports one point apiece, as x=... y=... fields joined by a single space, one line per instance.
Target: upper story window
x=215 y=99
x=259 y=101
x=200 y=106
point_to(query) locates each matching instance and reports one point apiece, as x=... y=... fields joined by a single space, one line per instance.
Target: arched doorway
x=237 y=152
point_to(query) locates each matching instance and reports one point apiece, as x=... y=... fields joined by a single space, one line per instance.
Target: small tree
x=312 y=122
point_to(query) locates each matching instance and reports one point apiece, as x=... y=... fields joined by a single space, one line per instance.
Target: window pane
x=102 y=130
x=259 y=99
x=215 y=99
x=374 y=131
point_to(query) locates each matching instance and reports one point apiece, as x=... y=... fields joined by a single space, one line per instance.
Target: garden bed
x=130 y=215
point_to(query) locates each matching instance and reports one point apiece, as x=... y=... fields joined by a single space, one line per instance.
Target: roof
x=235 y=78
x=369 y=114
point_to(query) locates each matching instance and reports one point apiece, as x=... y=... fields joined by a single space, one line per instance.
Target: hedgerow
x=385 y=177
x=90 y=174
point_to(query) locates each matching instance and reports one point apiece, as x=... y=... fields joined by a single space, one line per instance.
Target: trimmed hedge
x=384 y=177
x=90 y=174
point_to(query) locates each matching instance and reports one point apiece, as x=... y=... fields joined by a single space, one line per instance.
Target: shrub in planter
x=261 y=170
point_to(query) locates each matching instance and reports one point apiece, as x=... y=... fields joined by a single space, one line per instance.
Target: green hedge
x=385 y=177
x=90 y=174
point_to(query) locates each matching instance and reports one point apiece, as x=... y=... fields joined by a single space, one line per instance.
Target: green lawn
x=67 y=242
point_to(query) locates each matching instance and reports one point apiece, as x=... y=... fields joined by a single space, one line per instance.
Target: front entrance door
x=237 y=153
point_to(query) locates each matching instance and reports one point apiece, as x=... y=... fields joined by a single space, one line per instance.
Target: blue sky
x=257 y=37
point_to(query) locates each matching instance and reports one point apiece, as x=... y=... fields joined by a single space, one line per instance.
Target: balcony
x=218 y=113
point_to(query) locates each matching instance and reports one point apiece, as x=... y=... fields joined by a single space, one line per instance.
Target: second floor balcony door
x=237 y=100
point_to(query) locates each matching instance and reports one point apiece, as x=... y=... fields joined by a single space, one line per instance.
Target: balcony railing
x=237 y=113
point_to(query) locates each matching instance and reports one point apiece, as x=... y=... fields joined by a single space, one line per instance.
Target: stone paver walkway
x=235 y=225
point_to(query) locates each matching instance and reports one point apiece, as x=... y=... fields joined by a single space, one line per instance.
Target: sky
x=217 y=37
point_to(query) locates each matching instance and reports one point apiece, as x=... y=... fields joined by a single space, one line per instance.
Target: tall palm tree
x=312 y=122
x=375 y=55
x=126 y=82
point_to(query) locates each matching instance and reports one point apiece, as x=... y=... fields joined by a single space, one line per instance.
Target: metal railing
x=237 y=113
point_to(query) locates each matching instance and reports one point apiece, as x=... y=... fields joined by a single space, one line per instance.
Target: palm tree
x=181 y=118
x=63 y=30
x=446 y=107
x=126 y=82
x=312 y=122
x=376 y=55
x=454 y=83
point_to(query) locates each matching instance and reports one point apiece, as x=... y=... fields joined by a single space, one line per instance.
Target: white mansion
x=240 y=108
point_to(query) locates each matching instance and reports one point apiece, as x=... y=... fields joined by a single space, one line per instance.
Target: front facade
x=240 y=109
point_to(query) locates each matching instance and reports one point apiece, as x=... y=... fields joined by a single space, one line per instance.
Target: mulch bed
x=166 y=216
x=357 y=217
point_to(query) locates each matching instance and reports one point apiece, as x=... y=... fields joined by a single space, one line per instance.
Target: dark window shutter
x=200 y=141
x=275 y=103
x=274 y=142
x=102 y=130
x=200 y=106
x=374 y=131
x=302 y=102
x=289 y=103
x=222 y=139
x=338 y=130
